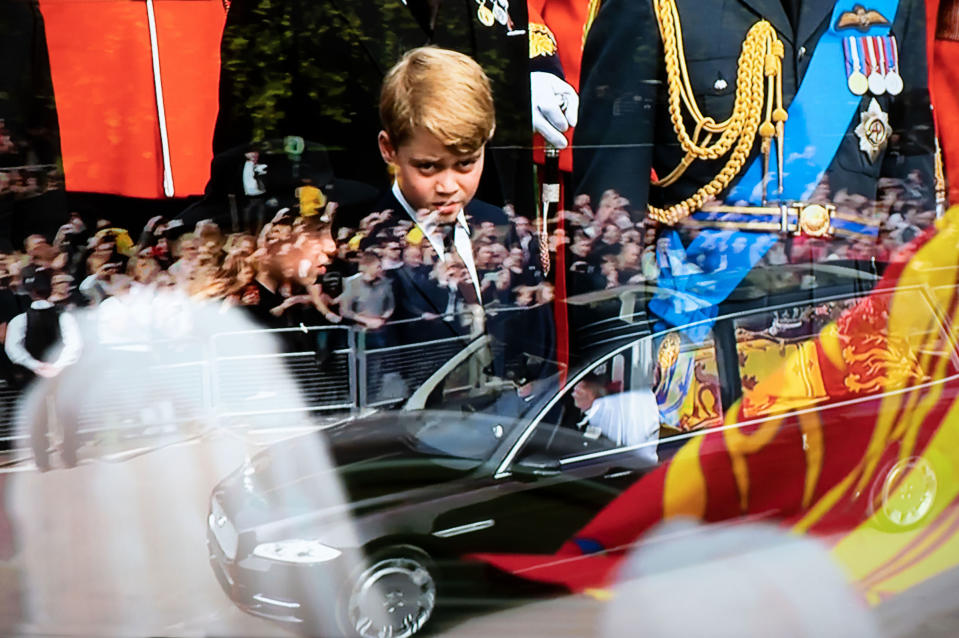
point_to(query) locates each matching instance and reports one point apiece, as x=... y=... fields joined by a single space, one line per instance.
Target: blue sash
x=819 y=115
x=716 y=261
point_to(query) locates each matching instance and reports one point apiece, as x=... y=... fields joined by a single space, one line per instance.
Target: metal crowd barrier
x=255 y=378
x=157 y=393
x=9 y=401
x=313 y=373
x=159 y=390
x=391 y=374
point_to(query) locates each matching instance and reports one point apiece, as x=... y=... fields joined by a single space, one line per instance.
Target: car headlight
x=296 y=550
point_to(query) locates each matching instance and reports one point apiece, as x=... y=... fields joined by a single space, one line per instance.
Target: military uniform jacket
x=624 y=127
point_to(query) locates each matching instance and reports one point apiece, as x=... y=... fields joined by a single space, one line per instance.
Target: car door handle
x=617 y=472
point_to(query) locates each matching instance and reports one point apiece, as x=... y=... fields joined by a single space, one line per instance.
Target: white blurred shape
x=117 y=545
x=742 y=581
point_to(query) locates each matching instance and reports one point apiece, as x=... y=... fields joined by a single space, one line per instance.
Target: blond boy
x=437 y=113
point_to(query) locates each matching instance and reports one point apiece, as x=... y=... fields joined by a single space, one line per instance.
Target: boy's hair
x=444 y=92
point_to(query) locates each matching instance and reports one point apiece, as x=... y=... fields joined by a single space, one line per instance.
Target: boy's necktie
x=447 y=231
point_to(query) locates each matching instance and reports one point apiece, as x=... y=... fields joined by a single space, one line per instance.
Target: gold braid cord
x=940 y=182
x=758 y=83
x=591 y=10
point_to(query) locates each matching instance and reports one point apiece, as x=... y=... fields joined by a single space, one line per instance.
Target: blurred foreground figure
x=745 y=581
x=116 y=546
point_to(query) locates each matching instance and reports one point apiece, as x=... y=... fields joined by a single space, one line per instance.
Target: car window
x=611 y=406
x=471 y=379
x=471 y=386
x=480 y=383
x=801 y=356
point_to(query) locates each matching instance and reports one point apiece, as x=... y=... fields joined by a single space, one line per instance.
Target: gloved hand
x=555 y=106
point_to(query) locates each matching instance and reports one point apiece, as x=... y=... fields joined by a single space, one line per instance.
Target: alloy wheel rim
x=392 y=599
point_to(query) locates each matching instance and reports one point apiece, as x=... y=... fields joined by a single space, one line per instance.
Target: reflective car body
x=754 y=422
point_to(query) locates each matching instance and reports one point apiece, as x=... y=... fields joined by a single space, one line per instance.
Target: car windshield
x=469 y=408
x=489 y=381
x=471 y=436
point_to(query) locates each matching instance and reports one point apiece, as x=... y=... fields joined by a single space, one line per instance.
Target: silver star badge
x=873 y=130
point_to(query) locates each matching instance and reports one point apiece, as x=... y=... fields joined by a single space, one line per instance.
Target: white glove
x=555 y=107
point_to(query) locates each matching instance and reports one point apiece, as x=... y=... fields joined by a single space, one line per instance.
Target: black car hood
x=378 y=456
x=361 y=466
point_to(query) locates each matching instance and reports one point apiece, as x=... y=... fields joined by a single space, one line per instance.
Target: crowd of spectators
x=605 y=248
x=21 y=173
x=23 y=182
x=290 y=274
x=293 y=272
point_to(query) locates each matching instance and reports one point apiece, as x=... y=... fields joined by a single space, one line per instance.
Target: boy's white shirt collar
x=427 y=229
x=461 y=238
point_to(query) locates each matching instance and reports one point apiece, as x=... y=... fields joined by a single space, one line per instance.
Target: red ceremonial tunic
x=943 y=21
x=566 y=20
x=103 y=83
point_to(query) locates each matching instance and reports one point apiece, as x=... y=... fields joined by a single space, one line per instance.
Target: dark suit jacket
x=530 y=332
x=476 y=212
x=416 y=294
x=320 y=78
x=623 y=96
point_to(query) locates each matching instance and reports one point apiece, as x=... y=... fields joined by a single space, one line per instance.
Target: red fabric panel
x=190 y=33
x=566 y=19
x=944 y=80
x=102 y=69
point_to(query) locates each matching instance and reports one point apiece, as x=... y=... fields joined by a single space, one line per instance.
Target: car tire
x=904 y=494
x=393 y=593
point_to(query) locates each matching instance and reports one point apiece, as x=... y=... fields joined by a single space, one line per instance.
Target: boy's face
x=431 y=176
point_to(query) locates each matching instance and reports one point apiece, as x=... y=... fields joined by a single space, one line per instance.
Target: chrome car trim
x=260 y=598
x=223 y=531
x=465 y=529
x=618 y=450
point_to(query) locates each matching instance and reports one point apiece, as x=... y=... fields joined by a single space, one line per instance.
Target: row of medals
x=872 y=64
x=492 y=11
